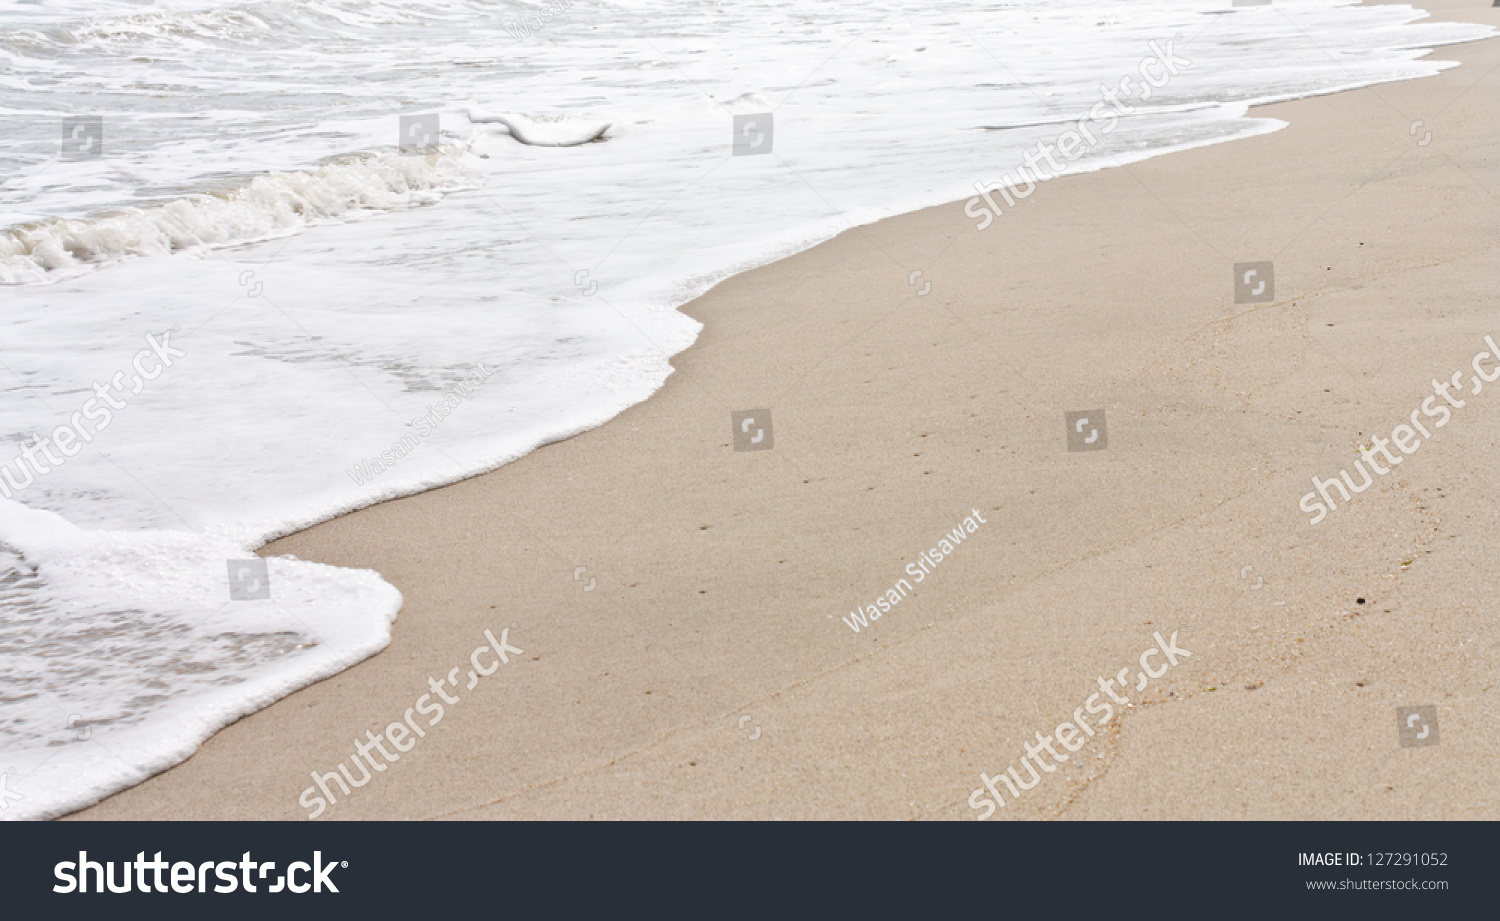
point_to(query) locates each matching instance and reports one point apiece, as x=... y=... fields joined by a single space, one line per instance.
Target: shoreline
x=642 y=667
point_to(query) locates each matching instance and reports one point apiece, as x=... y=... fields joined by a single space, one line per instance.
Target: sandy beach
x=681 y=608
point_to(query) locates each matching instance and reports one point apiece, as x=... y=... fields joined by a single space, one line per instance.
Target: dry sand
x=720 y=578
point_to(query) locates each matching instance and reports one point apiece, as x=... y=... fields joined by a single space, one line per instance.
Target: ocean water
x=262 y=313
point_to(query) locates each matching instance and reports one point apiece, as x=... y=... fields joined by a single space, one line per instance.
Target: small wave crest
x=269 y=206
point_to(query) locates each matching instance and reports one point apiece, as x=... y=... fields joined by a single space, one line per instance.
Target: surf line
x=926 y=563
